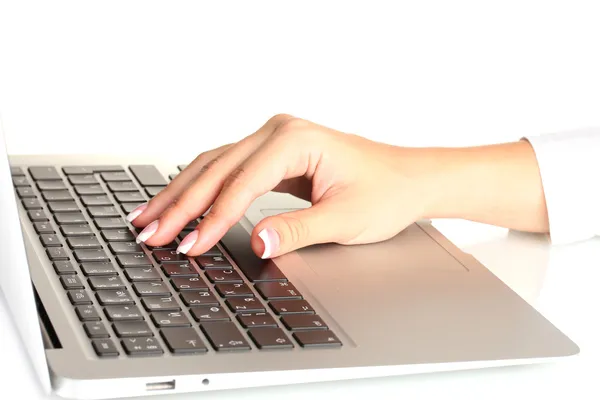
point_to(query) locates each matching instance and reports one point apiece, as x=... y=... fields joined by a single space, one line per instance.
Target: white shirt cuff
x=569 y=164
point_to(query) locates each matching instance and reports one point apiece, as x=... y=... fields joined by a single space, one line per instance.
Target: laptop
x=104 y=317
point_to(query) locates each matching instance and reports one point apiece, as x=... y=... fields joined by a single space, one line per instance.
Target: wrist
x=496 y=184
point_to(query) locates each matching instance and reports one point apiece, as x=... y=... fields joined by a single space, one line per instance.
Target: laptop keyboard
x=135 y=300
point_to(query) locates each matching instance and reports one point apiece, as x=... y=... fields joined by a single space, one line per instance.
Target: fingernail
x=147 y=232
x=187 y=242
x=136 y=212
x=270 y=239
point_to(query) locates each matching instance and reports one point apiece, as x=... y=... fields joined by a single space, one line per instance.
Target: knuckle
x=297 y=231
x=209 y=165
x=279 y=118
x=236 y=179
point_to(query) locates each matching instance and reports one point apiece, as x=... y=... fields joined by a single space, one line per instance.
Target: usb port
x=170 y=385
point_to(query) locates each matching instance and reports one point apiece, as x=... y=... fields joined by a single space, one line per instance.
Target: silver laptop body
x=412 y=304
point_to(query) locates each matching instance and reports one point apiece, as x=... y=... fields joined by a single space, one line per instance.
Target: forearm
x=495 y=184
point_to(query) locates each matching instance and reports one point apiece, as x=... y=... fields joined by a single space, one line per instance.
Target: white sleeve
x=569 y=164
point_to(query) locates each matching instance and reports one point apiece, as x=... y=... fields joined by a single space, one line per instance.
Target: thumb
x=280 y=234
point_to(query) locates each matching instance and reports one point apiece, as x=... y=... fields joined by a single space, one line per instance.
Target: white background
x=185 y=76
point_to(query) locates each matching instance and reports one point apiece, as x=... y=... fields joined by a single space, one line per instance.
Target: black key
x=224 y=276
x=125 y=248
x=103 y=211
x=31 y=203
x=57 y=253
x=83 y=170
x=79 y=296
x=262 y=271
x=122 y=186
x=129 y=207
x=88 y=189
x=96 y=200
x=115 y=176
x=84 y=242
x=172 y=176
x=20 y=181
x=57 y=195
x=160 y=304
x=129 y=197
x=179 y=270
x=148 y=175
x=83 y=179
x=51 y=185
x=110 y=223
x=182 y=167
x=270 y=338
x=63 y=206
x=24 y=192
x=170 y=256
x=105 y=348
x=87 y=313
x=192 y=299
x=213 y=251
x=71 y=282
x=90 y=255
x=224 y=336
x=50 y=240
x=302 y=322
x=277 y=291
x=69 y=218
x=119 y=235
x=209 y=314
x=151 y=289
x=64 y=268
x=234 y=290
x=43 y=227
x=106 y=282
x=44 y=173
x=191 y=283
x=37 y=216
x=142 y=274
x=319 y=338
x=245 y=305
x=154 y=190
x=255 y=268
x=132 y=329
x=114 y=297
x=169 y=246
x=256 y=320
x=190 y=226
x=183 y=340
x=98 y=269
x=123 y=313
x=148 y=346
x=95 y=330
x=77 y=230
x=16 y=171
x=166 y=319
x=284 y=307
x=213 y=262
x=133 y=260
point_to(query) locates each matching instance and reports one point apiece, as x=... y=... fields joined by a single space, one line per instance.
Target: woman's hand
x=361 y=191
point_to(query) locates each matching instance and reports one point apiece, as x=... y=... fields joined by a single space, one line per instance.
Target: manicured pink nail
x=147 y=232
x=188 y=242
x=270 y=239
x=136 y=212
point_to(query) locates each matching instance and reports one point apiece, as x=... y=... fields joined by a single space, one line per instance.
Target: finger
x=324 y=222
x=250 y=180
x=148 y=212
x=201 y=194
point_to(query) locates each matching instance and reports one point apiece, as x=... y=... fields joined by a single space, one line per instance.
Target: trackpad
x=411 y=251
